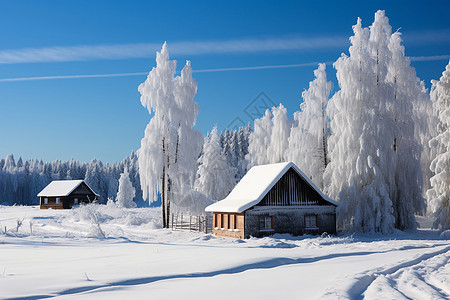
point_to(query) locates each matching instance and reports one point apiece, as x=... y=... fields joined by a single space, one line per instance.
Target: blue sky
x=101 y=117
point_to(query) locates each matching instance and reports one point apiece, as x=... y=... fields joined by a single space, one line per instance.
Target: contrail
x=309 y=64
x=259 y=67
x=146 y=73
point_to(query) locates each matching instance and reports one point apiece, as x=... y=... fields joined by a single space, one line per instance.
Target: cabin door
x=66 y=203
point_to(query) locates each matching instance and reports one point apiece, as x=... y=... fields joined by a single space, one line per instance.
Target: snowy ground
x=105 y=252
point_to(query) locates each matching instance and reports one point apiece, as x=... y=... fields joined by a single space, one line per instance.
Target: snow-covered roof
x=255 y=185
x=61 y=188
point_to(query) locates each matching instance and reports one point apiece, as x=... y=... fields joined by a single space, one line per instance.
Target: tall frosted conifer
x=259 y=140
x=408 y=93
x=439 y=193
x=308 y=138
x=355 y=174
x=269 y=140
x=373 y=124
x=214 y=177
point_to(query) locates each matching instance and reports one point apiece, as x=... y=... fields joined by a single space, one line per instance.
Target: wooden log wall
x=292 y=190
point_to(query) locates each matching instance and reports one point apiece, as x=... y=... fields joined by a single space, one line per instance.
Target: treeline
x=21 y=181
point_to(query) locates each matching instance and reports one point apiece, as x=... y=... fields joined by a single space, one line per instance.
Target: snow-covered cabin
x=61 y=194
x=274 y=198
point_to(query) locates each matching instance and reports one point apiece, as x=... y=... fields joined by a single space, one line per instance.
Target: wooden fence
x=201 y=223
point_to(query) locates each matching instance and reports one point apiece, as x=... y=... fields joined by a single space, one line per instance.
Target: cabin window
x=75 y=201
x=221 y=220
x=311 y=221
x=265 y=222
x=235 y=222
x=45 y=200
x=58 y=200
x=228 y=221
x=216 y=220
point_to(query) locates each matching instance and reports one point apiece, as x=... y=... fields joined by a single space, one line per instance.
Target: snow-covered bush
x=96 y=214
x=126 y=191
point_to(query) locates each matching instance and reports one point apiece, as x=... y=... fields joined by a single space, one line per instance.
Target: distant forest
x=21 y=181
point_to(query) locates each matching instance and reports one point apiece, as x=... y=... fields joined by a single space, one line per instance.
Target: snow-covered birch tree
x=170 y=147
x=308 y=137
x=439 y=193
x=214 y=177
x=126 y=191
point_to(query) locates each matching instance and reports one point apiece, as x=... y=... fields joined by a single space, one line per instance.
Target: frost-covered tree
x=439 y=193
x=96 y=179
x=279 y=135
x=170 y=147
x=214 y=177
x=308 y=137
x=375 y=157
x=269 y=140
x=126 y=191
x=234 y=145
x=243 y=141
x=361 y=140
x=408 y=94
x=259 y=140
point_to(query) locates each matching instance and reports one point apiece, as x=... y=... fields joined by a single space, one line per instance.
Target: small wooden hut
x=63 y=194
x=274 y=198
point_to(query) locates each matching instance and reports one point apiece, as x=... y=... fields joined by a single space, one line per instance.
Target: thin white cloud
x=70 y=76
x=430 y=58
x=427 y=37
x=234 y=46
x=124 y=51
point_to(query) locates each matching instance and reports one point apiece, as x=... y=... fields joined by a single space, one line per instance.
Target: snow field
x=67 y=257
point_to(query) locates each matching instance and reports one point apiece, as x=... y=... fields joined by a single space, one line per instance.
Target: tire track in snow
x=364 y=280
x=264 y=264
x=420 y=281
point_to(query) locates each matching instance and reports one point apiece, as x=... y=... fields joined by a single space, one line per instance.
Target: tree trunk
x=163 y=189
x=166 y=206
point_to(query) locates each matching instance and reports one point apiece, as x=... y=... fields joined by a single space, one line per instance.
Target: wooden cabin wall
x=292 y=190
x=51 y=203
x=224 y=224
x=290 y=220
x=83 y=193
